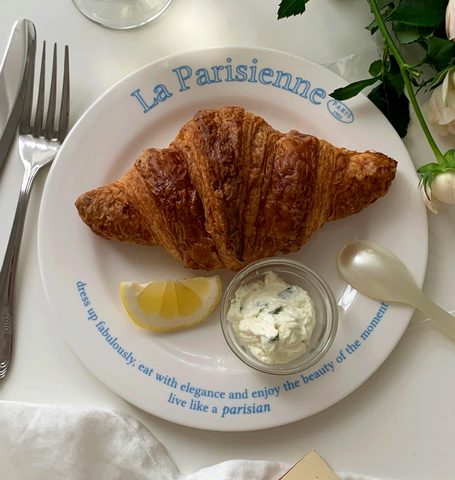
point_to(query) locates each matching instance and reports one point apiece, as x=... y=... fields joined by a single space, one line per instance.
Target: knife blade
x=13 y=80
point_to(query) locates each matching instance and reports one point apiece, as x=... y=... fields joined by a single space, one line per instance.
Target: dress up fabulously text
x=186 y=394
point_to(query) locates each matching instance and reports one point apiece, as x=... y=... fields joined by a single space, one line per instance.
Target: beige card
x=311 y=467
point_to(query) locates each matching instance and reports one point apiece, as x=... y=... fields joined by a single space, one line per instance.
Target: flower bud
x=427 y=200
x=443 y=186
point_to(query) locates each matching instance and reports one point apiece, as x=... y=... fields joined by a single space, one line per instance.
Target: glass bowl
x=293 y=273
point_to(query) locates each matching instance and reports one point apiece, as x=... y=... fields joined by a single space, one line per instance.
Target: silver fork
x=38 y=145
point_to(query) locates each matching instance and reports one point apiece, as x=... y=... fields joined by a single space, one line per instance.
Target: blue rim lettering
x=340 y=111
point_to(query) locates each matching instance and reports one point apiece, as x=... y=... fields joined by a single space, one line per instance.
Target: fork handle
x=8 y=273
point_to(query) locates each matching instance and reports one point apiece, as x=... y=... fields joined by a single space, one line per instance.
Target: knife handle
x=8 y=275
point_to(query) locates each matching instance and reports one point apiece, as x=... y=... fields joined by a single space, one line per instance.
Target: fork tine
x=65 y=106
x=50 y=117
x=25 y=125
x=38 y=124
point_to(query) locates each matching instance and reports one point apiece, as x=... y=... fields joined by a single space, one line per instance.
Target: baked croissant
x=230 y=190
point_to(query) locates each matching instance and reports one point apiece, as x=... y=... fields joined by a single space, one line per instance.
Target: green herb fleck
x=276 y=311
x=286 y=293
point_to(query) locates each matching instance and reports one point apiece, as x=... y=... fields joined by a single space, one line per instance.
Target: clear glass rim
x=79 y=4
x=331 y=320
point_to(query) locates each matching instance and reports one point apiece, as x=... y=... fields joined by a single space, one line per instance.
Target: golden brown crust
x=230 y=190
x=211 y=145
x=176 y=209
x=114 y=212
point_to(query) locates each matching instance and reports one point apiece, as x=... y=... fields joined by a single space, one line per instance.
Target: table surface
x=400 y=424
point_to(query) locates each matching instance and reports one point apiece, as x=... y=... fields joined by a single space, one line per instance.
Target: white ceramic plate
x=170 y=375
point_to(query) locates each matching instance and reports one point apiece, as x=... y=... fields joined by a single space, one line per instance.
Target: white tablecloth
x=42 y=442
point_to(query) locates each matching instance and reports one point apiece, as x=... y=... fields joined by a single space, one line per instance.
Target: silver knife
x=13 y=76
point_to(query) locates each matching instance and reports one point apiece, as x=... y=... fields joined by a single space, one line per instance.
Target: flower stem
x=404 y=73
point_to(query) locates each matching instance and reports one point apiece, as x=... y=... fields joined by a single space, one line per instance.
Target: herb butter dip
x=274 y=319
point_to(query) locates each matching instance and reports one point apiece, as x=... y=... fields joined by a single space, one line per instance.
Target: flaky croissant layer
x=230 y=190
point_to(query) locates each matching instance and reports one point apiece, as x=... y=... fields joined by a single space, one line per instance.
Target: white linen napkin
x=47 y=442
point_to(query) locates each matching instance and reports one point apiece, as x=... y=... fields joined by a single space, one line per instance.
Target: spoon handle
x=442 y=318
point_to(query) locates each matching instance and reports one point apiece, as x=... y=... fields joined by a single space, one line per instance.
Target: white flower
x=450 y=20
x=442 y=104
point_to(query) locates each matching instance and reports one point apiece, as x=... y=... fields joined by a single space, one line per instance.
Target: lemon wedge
x=171 y=304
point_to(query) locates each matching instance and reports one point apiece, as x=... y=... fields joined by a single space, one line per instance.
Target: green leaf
x=289 y=8
x=440 y=76
x=393 y=76
x=449 y=160
x=450 y=155
x=383 y=3
x=440 y=52
x=406 y=34
x=393 y=106
x=375 y=68
x=429 y=167
x=440 y=30
x=373 y=26
x=353 y=89
x=422 y=13
x=426 y=32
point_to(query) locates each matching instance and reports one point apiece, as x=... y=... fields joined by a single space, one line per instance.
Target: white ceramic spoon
x=377 y=273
